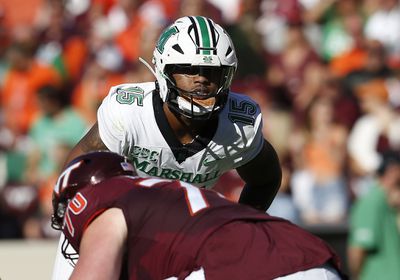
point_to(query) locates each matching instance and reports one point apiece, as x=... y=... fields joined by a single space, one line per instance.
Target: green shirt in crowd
x=373 y=227
x=49 y=134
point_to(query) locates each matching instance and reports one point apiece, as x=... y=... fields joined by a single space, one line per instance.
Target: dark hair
x=389 y=157
x=55 y=94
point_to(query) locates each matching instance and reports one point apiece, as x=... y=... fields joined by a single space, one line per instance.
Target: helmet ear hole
x=178 y=48
x=228 y=51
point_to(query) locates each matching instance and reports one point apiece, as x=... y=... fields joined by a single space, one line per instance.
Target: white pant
x=325 y=272
x=62 y=269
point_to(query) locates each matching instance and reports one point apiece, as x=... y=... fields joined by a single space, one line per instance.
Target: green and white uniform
x=131 y=122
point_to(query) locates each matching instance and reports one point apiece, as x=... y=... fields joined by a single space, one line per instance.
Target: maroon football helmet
x=85 y=170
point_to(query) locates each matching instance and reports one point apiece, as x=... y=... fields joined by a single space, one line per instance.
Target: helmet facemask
x=205 y=100
x=69 y=253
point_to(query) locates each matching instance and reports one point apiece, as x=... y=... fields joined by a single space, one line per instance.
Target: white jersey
x=131 y=122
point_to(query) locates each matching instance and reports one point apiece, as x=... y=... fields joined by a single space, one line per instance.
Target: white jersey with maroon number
x=130 y=125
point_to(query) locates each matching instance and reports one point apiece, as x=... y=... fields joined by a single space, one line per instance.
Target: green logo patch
x=130 y=95
x=207 y=59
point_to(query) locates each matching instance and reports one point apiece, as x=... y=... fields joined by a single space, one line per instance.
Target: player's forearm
x=261 y=194
x=258 y=197
x=263 y=177
x=356 y=258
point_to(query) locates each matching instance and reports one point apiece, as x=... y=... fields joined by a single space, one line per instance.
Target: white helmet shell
x=195 y=41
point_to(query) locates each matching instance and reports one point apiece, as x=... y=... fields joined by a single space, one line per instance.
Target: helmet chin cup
x=190 y=109
x=193 y=108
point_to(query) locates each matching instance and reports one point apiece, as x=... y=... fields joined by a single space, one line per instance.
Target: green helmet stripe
x=165 y=35
x=205 y=34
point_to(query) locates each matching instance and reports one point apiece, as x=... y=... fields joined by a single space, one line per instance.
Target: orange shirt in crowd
x=129 y=40
x=348 y=62
x=104 y=5
x=74 y=57
x=323 y=156
x=89 y=93
x=20 y=12
x=18 y=96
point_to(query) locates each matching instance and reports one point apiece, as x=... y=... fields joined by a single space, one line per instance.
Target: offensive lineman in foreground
x=126 y=227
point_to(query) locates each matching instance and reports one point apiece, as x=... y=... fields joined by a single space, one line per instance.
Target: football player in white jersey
x=187 y=125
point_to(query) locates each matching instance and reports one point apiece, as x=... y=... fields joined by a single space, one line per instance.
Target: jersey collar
x=180 y=151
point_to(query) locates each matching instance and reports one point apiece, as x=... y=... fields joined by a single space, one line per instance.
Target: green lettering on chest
x=198 y=178
x=211 y=176
x=166 y=173
x=140 y=165
x=174 y=174
x=153 y=171
x=186 y=177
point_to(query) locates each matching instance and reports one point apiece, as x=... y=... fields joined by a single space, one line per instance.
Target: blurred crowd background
x=325 y=73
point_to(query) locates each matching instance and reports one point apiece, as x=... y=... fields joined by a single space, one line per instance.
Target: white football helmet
x=194 y=44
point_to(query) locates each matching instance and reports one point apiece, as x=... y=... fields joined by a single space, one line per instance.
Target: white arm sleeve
x=110 y=122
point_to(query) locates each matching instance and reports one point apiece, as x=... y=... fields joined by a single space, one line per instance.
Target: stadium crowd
x=325 y=73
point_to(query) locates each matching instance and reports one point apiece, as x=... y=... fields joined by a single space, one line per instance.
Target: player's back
x=175 y=228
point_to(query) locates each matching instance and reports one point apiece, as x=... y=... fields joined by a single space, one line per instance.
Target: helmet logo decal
x=130 y=95
x=62 y=181
x=75 y=206
x=127 y=166
x=207 y=59
x=164 y=38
